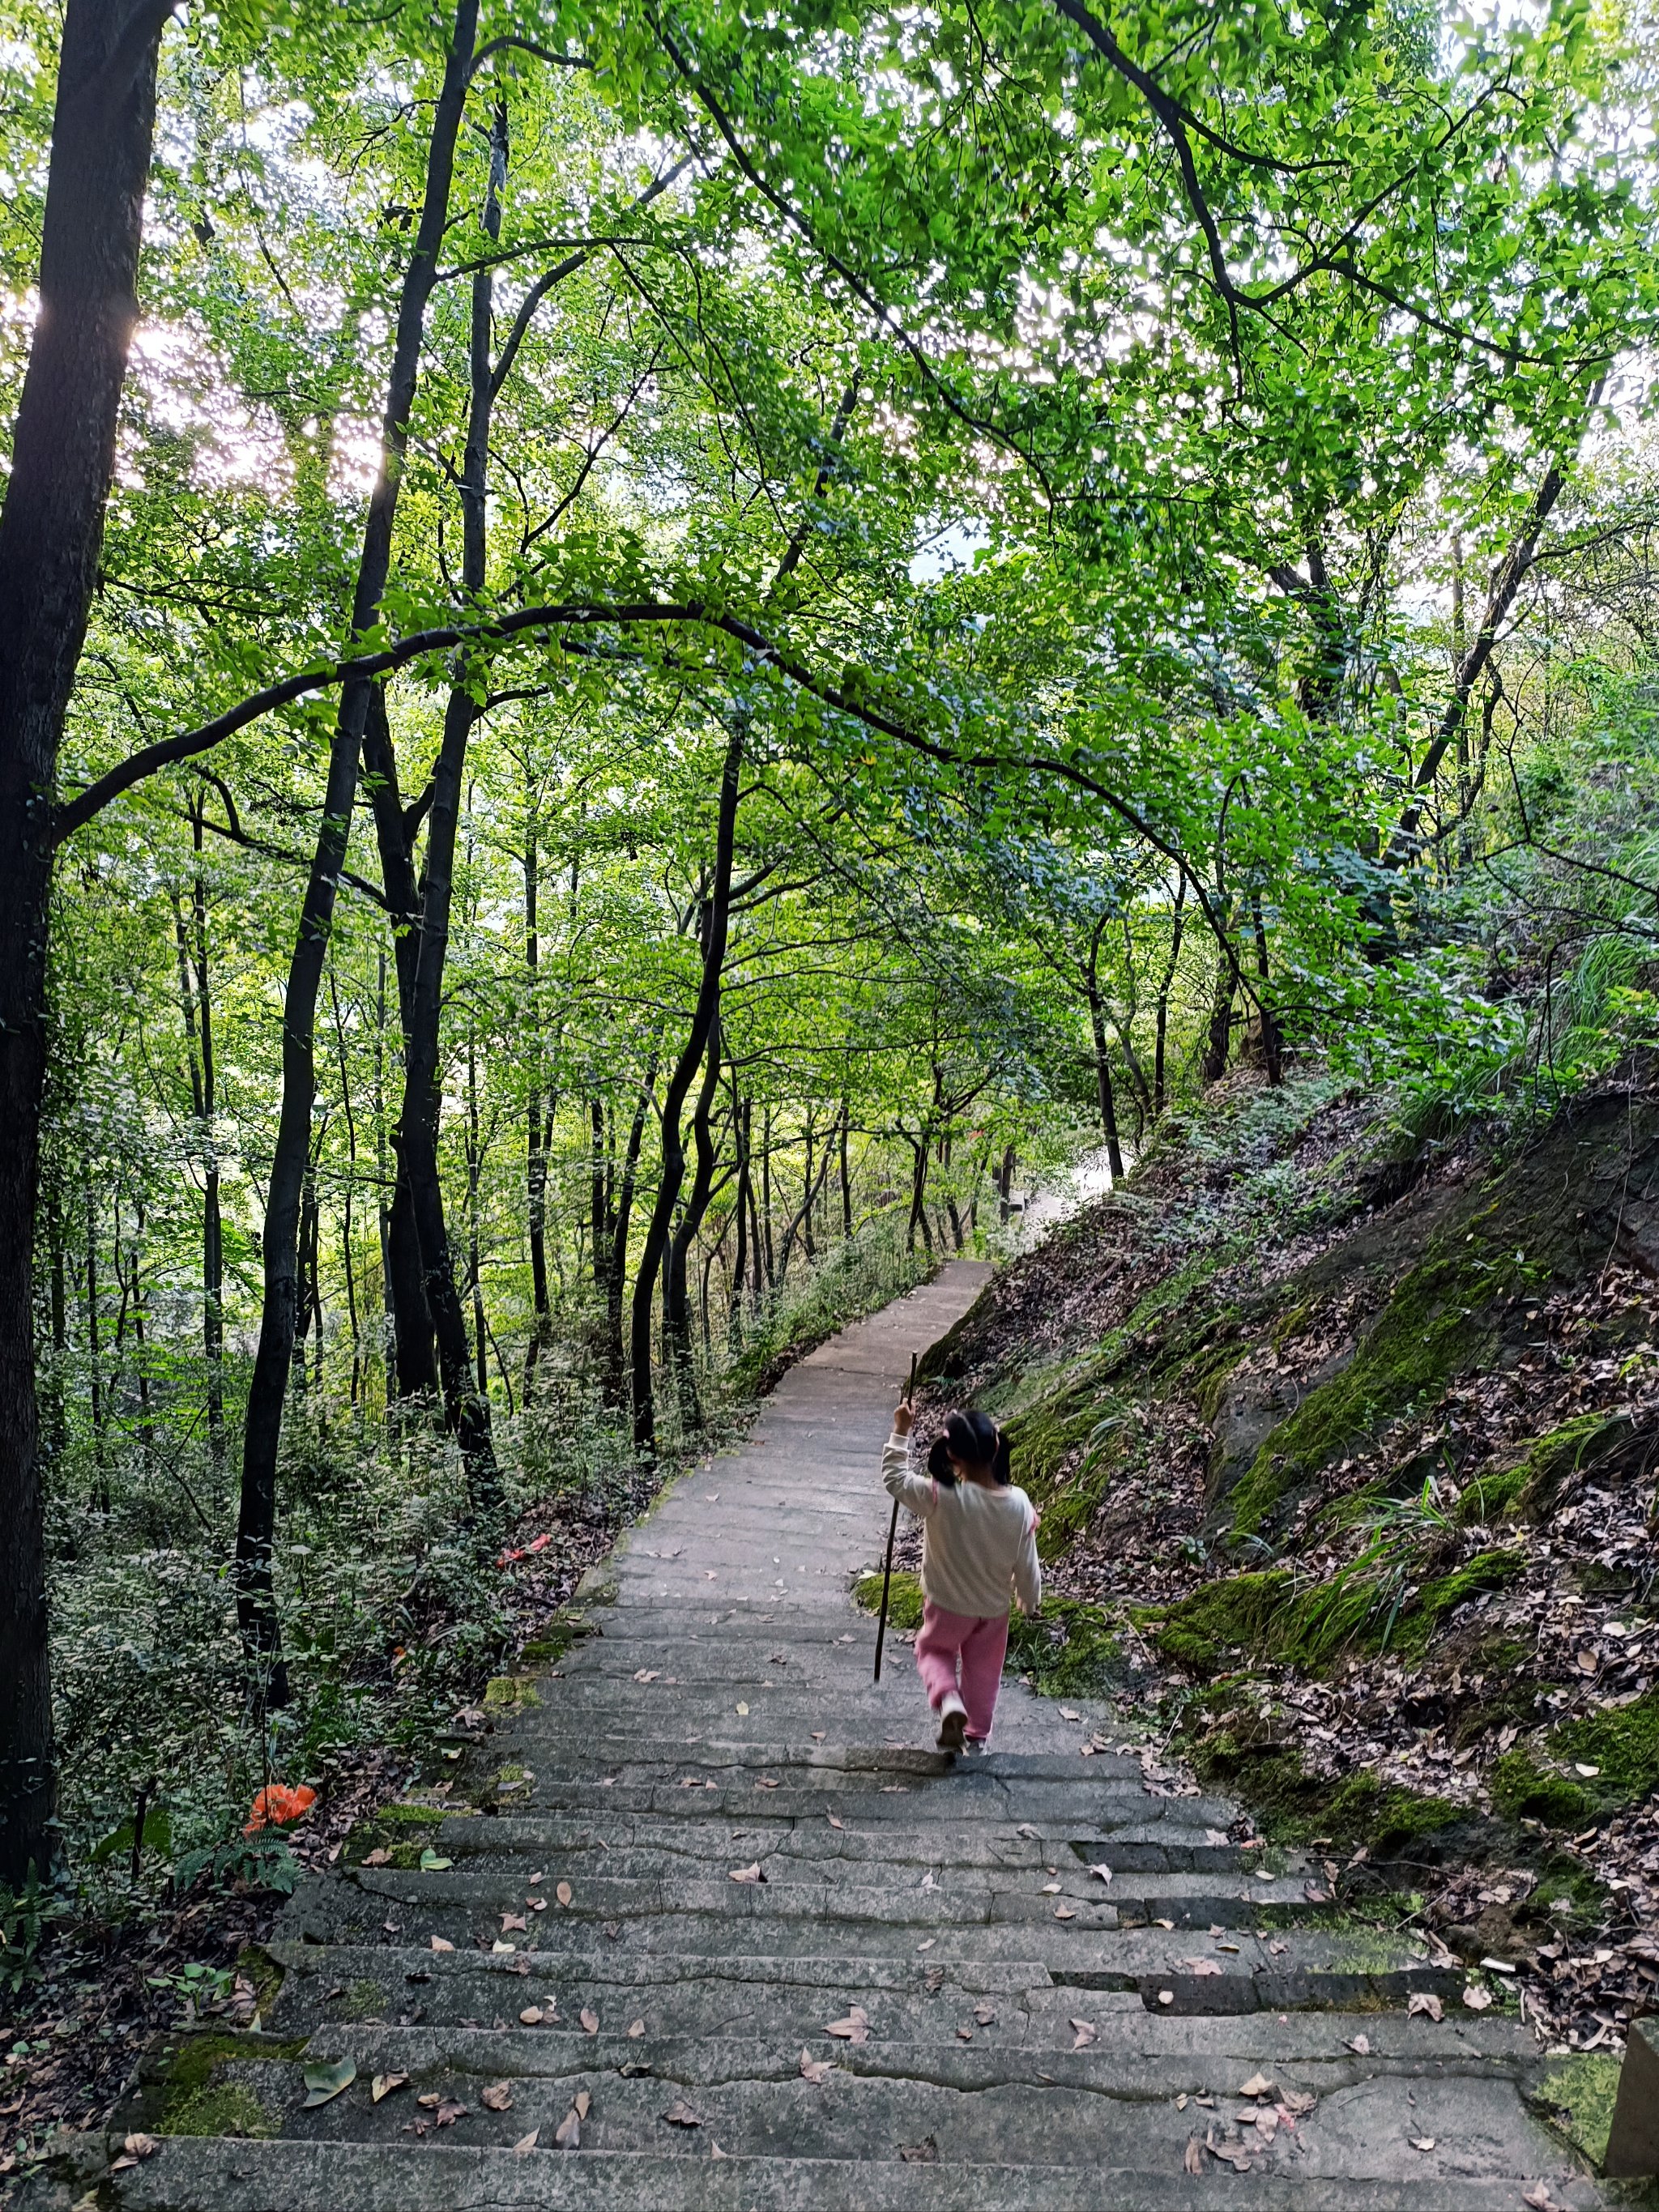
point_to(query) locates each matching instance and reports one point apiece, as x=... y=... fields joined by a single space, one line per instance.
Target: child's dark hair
x=974 y=1438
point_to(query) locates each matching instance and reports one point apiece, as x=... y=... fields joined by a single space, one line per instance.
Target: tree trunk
x=1272 y=1053
x=538 y=1132
x=679 y=1331
x=255 y=1592
x=51 y=528
x=466 y=1406
x=1160 y=1048
x=846 y=1173
x=715 y=919
x=1102 y=1056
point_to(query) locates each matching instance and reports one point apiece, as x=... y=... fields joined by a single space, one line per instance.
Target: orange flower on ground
x=278 y=1806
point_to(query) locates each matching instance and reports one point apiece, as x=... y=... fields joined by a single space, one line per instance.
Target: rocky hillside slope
x=1345 y=1448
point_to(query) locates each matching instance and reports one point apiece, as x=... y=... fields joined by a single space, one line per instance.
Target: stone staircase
x=709 y=1932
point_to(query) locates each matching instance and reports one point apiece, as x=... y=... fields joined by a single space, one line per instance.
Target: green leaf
x=324 y=2083
x=432 y=1861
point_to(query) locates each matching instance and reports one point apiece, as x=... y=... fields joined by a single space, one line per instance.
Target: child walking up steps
x=979 y=1551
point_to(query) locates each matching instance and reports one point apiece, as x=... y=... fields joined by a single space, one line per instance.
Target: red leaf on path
x=278 y=1806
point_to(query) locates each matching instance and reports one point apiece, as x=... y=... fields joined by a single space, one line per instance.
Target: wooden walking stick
x=892 y=1531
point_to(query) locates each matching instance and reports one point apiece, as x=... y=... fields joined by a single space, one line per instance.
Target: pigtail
x=1001 y=1465
x=938 y=1462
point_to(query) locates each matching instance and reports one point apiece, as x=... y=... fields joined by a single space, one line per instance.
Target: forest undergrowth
x=1345 y=1441
x=398 y=1611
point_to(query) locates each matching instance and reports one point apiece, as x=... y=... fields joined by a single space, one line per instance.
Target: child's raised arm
x=917 y=1493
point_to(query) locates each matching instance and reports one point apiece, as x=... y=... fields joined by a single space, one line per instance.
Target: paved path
x=702 y=1846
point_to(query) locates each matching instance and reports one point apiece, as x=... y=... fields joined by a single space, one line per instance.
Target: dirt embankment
x=1347 y=1452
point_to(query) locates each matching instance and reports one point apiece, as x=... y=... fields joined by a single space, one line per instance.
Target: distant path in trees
x=711 y=1928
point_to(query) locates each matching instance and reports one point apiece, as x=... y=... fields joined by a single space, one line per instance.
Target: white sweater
x=979 y=1545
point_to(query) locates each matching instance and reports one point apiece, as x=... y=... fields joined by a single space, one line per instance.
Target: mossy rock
x=555 y=1637
x=1207 y=1632
x=225 y=2108
x=193 y=2066
x=1294 y=1806
x=1527 y=1791
x=510 y=1693
x=904 y=1598
x=1438 y=1321
x=1525 y=1490
x=1495 y=1497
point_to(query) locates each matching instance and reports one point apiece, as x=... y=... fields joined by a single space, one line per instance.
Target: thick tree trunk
x=51 y=528
x=262 y=1434
x=1160 y=1048
x=678 y=1331
x=466 y=1405
x=716 y=920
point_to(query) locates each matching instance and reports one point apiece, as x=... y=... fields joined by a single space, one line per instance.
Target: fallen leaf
x=584 y=2104
x=964 y=2035
x=568 y=2133
x=434 y=1862
x=141 y=2146
x=646 y=1674
x=855 y=2028
x=1537 y=2194
x=1425 y=2002
x=681 y=2115
x=714 y=2150
x=1258 y=2085
x=833 y=1821
x=1026 y=1830
x=441 y=1943
x=378 y=1857
x=1297 y=2101
x=451 y=2109
x=1102 y=1870
x=497 y=2098
x=1476 y=1997
x=589 y=2020
x=1201 y=1966
x=743 y=1712
x=383 y=2084
x=1233 y=2154
x=563 y=1893
x=746 y=1874
x=531 y=2016
x=1063 y=1912
x=1084 y=2032
x=1051 y=1889
x=1067 y=1714
x=501 y=1949
x=815 y=2070
x=1422 y=2143
x=526 y=2143
x=1193 y=2161
x=636 y=2029
x=1166 y=1997
x=429 y=2098
x=323 y=2083
x=514 y=1920
x=984 y=2013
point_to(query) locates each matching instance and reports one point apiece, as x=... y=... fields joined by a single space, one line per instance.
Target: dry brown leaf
x=1422 y=2143
x=512 y=1920
x=746 y=1874
x=531 y=2016
x=431 y=2099
x=563 y=1893
x=1233 y=2154
x=451 y=2109
x=1425 y=2002
x=1258 y=2085
x=140 y=2146
x=441 y=1943
x=681 y=2115
x=584 y=2104
x=1063 y=1912
x=383 y=2084
x=1051 y=1889
x=833 y=1821
x=1360 y=2044
x=1192 y=2159
x=1297 y=2101
x=855 y=2028
x=1084 y=2032
x=497 y=2098
x=1475 y=1997
x=568 y=2133
x=636 y=2029
x=378 y=1857
x=984 y=2013
x=1026 y=1830
x=815 y=2070
x=964 y=2035
x=525 y=2144
x=589 y=2019
x=1200 y=1965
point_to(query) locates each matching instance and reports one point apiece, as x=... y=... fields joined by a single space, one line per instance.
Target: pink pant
x=979 y=1643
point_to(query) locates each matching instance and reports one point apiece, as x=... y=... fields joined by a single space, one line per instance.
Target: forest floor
x=1345 y=1446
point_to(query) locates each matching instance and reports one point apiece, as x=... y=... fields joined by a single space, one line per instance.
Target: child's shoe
x=952 y=1723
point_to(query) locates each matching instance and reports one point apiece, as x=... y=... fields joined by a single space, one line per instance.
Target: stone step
x=218 y=2175
x=1372 y=2121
